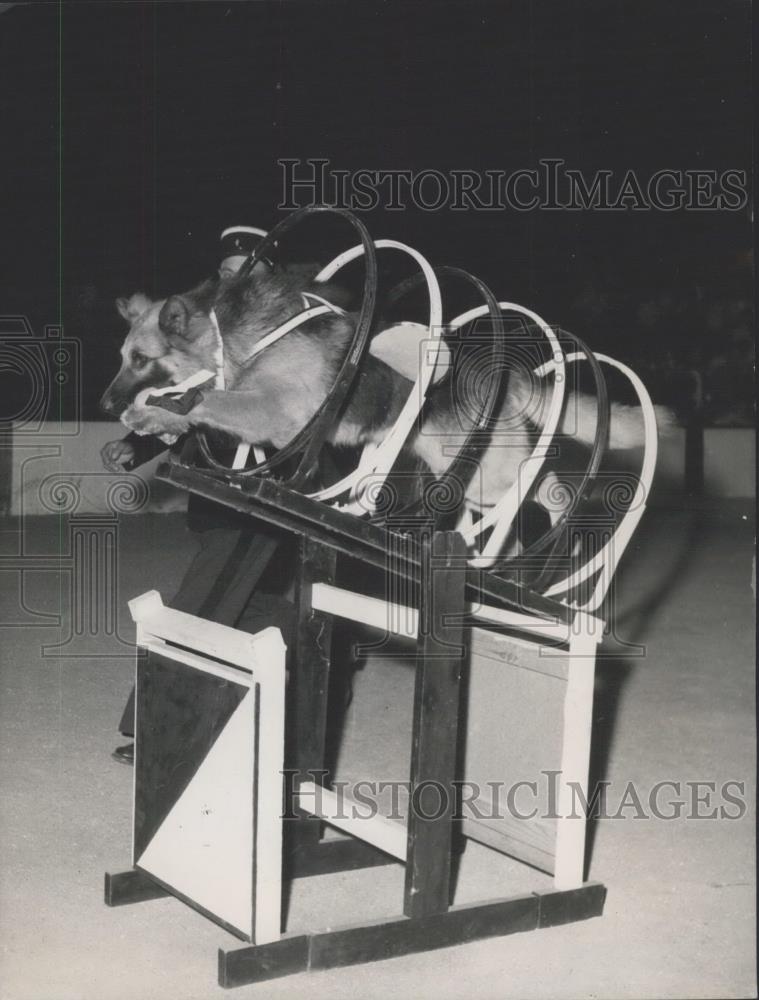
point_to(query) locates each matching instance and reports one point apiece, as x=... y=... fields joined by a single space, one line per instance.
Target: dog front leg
x=253 y=417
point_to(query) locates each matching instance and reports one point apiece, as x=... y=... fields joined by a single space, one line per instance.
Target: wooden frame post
x=308 y=684
x=575 y=753
x=310 y=663
x=440 y=655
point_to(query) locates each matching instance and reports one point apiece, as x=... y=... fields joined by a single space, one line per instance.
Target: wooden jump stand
x=449 y=592
x=504 y=675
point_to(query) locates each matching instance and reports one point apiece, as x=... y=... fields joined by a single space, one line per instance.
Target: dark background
x=133 y=133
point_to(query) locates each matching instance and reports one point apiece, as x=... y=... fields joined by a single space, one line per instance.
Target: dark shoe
x=125 y=754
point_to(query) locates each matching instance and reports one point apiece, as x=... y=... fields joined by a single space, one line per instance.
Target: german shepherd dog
x=268 y=399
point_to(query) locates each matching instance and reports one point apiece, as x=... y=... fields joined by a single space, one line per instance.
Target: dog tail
x=625 y=422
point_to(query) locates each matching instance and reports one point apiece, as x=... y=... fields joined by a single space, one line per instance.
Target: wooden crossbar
x=403 y=621
x=342 y=532
x=343 y=812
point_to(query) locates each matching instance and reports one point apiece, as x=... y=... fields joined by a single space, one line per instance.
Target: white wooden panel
x=204 y=847
x=220 y=844
x=220 y=642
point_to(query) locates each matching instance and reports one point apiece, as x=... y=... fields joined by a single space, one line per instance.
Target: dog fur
x=270 y=398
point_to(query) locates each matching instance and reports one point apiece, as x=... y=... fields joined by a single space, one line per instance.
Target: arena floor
x=680 y=912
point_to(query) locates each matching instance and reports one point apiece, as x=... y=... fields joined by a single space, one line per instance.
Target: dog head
x=168 y=340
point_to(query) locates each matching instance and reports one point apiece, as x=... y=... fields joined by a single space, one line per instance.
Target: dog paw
x=154 y=420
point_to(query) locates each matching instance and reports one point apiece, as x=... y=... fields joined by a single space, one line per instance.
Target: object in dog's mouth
x=179 y=398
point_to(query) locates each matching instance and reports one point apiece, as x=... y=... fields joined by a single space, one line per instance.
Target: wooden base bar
x=381 y=939
x=285 y=957
x=376 y=940
x=133 y=886
x=558 y=908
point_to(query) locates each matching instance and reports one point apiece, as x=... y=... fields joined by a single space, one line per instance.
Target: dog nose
x=107 y=406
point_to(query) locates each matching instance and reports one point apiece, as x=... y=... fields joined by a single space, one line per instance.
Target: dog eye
x=139 y=360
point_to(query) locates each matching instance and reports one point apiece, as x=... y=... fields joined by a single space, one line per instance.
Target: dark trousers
x=221 y=585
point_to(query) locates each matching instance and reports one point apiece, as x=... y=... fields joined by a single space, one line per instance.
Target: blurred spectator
x=729 y=382
x=690 y=339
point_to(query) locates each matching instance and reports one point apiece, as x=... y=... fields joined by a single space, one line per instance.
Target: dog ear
x=134 y=306
x=174 y=317
x=202 y=297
